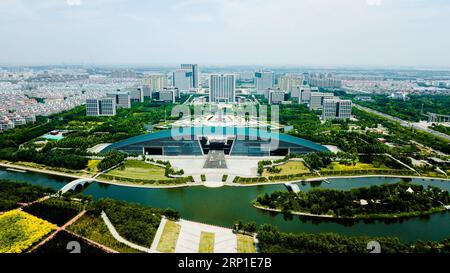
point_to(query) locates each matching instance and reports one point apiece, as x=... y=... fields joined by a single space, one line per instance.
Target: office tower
x=122 y=99
x=156 y=82
x=182 y=79
x=136 y=94
x=195 y=74
x=317 y=98
x=289 y=83
x=222 y=88
x=276 y=96
x=167 y=95
x=100 y=107
x=146 y=92
x=304 y=94
x=336 y=109
x=263 y=81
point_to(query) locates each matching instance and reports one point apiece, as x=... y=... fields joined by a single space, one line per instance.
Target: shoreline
x=307 y=180
x=355 y=218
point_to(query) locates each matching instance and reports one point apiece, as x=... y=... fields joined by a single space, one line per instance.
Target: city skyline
x=376 y=33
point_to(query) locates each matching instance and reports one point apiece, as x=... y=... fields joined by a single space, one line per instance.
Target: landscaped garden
x=136 y=169
x=20 y=230
x=135 y=223
x=141 y=172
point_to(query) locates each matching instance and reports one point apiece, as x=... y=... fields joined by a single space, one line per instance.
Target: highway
x=404 y=123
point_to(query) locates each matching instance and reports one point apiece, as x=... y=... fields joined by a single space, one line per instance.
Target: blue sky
x=259 y=32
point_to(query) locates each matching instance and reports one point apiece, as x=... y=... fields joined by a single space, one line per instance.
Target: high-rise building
x=289 y=83
x=182 y=79
x=156 y=81
x=195 y=74
x=136 y=94
x=121 y=98
x=263 y=81
x=146 y=91
x=276 y=96
x=222 y=88
x=317 y=98
x=304 y=94
x=167 y=95
x=100 y=107
x=336 y=109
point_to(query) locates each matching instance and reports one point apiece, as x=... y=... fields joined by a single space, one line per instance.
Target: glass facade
x=199 y=140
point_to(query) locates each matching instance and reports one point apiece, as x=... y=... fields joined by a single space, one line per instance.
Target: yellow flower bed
x=20 y=230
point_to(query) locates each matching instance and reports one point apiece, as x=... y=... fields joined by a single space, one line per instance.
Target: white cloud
x=73 y=2
x=374 y=2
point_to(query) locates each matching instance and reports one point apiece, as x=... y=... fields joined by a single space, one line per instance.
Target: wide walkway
x=189 y=238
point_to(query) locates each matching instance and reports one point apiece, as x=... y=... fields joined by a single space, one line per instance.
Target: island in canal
x=374 y=202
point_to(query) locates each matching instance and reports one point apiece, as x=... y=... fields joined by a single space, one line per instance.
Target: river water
x=223 y=206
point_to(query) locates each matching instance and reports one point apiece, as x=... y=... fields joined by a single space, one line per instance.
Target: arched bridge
x=72 y=186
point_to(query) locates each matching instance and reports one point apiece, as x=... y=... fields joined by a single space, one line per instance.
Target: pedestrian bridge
x=72 y=186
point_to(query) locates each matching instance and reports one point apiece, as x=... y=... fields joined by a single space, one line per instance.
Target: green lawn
x=336 y=166
x=169 y=237
x=136 y=169
x=291 y=167
x=245 y=244
x=206 y=242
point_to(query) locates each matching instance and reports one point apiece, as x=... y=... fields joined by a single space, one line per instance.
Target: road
x=404 y=123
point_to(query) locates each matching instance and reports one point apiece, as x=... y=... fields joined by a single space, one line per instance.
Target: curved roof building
x=200 y=140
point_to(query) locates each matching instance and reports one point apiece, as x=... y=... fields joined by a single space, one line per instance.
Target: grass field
x=336 y=166
x=94 y=228
x=291 y=167
x=169 y=237
x=206 y=244
x=245 y=244
x=136 y=169
x=20 y=230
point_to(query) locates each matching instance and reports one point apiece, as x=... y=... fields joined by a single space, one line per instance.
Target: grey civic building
x=198 y=141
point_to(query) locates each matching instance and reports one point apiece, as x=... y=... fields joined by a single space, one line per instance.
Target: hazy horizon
x=290 y=33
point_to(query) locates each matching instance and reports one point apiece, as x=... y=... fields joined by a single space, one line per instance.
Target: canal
x=223 y=206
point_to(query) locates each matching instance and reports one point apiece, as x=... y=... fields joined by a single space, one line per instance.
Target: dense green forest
x=380 y=201
x=271 y=240
x=70 y=151
x=410 y=109
x=55 y=210
x=110 y=160
x=12 y=193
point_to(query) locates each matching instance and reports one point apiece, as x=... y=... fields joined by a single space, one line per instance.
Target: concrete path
x=158 y=234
